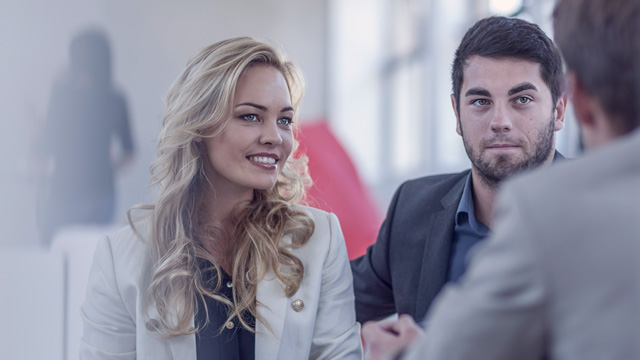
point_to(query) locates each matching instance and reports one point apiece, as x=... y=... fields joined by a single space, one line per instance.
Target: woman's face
x=251 y=152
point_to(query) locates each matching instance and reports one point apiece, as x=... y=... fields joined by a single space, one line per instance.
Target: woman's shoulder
x=326 y=233
x=319 y=217
x=127 y=242
x=126 y=255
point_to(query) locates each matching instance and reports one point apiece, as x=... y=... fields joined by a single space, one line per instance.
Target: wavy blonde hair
x=197 y=105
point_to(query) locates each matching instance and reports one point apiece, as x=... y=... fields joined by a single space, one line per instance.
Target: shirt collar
x=465 y=212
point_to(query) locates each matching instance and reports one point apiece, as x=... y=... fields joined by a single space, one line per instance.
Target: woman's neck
x=216 y=212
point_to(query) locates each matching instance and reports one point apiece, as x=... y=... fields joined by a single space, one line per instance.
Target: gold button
x=297 y=305
x=152 y=325
x=229 y=325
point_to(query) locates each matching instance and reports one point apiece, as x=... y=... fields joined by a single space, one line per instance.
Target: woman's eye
x=250 y=117
x=285 y=121
x=523 y=100
x=480 y=102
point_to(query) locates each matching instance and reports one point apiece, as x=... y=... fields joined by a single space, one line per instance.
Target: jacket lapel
x=272 y=306
x=435 y=261
x=182 y=347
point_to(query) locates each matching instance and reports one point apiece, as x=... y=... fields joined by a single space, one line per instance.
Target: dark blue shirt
x=234 y=342
x=468 y=231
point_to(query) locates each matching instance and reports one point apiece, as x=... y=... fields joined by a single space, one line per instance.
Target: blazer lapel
x=272 y=306
x=182 y=347
x=435 y=262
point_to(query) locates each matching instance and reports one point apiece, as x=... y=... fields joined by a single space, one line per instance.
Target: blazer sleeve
x=109 y=329
x=497 y=310
x=336 y=333
x=372 y=275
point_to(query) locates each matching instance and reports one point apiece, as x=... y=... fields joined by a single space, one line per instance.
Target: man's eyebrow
x=477 y=91
x=522 y=87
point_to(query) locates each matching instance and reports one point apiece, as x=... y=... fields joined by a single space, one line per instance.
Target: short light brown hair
x=599 y=42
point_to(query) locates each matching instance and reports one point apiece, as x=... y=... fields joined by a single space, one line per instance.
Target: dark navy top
x=467 y=232
x=233 y=343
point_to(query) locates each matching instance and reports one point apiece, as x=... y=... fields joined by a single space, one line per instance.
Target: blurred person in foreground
x=225 y=264
x=508 y=102
x=560 y=276
x=86 y=120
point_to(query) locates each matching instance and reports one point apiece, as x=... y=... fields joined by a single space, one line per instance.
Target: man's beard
x=492 y=172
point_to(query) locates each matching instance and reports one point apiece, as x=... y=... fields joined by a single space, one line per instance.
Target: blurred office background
x=377 y=75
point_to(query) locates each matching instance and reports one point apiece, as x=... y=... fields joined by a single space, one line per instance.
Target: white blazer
x=116 y=325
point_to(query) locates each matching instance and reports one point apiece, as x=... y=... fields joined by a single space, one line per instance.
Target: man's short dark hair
x=502 y=37
x=599 y=42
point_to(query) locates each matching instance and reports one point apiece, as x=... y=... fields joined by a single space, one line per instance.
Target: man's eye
x=480 y=102
x=523 y=100
x=285 y=121
x=250 y=117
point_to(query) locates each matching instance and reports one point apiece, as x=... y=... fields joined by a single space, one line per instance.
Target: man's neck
x=483 y=198
x=484 y=193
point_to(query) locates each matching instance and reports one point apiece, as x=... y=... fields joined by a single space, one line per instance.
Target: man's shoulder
x=431 y=191
x=436 y=181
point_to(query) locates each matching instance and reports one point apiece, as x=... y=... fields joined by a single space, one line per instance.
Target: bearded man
x=508 y=101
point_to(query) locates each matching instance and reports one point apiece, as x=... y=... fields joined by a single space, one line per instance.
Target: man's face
x=506 y=117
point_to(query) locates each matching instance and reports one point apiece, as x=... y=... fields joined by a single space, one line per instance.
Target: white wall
x=151 y=42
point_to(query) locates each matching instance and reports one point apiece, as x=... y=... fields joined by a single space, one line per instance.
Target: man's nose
x=501 y=120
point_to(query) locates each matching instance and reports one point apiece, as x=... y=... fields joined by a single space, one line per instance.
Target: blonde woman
x=225 y=264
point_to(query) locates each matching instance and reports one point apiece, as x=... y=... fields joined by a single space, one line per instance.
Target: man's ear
x=582 y=102
x=560 y=111
x=455 y=111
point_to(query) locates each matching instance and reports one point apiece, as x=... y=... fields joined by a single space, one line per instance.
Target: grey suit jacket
x=561 y=273
x=116 y=325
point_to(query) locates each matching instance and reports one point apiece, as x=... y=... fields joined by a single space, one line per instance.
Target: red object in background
x=337 y=187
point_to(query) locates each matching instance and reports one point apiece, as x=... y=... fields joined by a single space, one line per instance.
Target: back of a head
x=502 y=37
x=599 y=42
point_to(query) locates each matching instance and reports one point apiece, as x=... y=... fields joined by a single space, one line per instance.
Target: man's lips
x=502 y=146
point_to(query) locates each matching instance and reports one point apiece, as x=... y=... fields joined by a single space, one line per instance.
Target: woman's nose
x=270 y=134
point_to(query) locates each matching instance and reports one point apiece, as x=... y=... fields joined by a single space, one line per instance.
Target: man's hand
x=386 y=339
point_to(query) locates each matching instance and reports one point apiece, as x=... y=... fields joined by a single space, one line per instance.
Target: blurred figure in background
x=86 y=121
